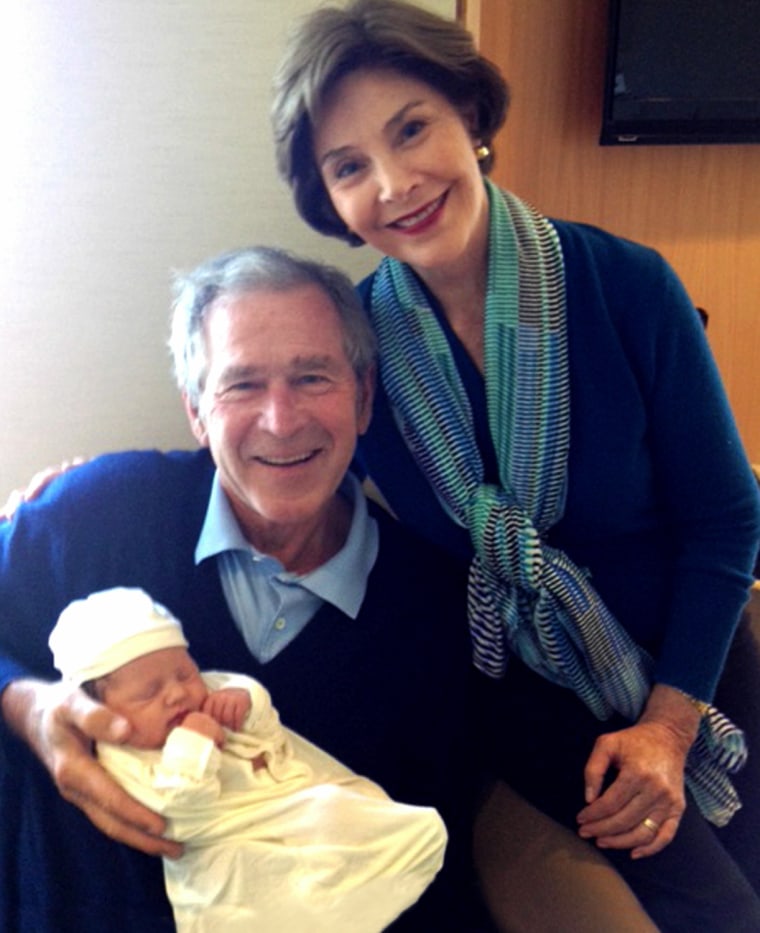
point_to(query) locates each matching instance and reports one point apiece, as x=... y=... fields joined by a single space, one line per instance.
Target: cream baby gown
x=302 y=845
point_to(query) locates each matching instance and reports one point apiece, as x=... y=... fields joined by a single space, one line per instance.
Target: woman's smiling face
x=398 y=161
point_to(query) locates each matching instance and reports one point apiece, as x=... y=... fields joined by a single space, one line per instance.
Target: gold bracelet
x=699 y=705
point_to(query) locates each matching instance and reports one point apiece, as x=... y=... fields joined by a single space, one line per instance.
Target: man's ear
x=197 y=424
x=365 y=398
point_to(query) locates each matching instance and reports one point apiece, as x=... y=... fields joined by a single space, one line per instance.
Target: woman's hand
x=60 y=724
x=37 y=484
x=642 y=807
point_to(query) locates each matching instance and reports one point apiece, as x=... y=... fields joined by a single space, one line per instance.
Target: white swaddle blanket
x=301 y=845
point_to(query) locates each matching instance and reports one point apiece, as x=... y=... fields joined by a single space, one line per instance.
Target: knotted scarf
x=524 y=595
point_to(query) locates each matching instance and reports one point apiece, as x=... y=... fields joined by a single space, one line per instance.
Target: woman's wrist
x=699 y=705
x=675 y=709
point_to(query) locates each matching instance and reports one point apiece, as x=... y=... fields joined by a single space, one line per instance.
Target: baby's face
x=155 y=693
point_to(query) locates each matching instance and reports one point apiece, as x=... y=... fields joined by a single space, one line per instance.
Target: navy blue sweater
x=386 y=693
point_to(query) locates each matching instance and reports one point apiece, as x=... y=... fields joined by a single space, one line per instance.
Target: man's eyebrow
x=240 y=371
x=317 y=361
x=390 y=124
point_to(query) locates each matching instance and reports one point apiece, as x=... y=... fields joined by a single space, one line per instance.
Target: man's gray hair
x=257 y=268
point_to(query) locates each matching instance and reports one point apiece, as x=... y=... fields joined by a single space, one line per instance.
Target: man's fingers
x=61 y=723
x=96 y=721
x=118 y=815
x=76 y=723
x=134 y=834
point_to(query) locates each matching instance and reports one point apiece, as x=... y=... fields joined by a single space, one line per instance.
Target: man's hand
x=229 y=706
x=642 y=807
x=60 y=725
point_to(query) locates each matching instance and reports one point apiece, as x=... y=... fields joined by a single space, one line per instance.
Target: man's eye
x=312 y=381
x=238 y=390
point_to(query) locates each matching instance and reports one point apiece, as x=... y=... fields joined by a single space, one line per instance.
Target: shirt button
x=280 y=624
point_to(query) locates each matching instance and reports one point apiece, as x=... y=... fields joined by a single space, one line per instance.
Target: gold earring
x=482 y=153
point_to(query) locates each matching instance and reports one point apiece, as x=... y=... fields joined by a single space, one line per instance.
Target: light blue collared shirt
x=271 y=606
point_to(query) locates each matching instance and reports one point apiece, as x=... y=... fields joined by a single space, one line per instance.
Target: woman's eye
x=346 y=169
x=411 y=129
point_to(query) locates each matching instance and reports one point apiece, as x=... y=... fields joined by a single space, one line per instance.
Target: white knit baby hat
x=96 y=635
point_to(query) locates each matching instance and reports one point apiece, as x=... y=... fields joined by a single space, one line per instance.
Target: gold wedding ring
x=650 y=824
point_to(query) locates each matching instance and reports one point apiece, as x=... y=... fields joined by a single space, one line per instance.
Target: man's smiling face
x=281 y=407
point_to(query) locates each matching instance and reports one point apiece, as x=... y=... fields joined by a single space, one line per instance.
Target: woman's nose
x=395 y=179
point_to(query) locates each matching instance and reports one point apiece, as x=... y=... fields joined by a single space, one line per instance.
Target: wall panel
x=698 y=205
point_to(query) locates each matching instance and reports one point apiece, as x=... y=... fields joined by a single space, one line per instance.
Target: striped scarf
x=524 y=595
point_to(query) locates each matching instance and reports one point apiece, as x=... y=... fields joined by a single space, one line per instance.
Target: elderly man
x=265 y=547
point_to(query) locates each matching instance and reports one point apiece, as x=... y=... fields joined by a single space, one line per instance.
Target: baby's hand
x=229 y=706
x=205 y=724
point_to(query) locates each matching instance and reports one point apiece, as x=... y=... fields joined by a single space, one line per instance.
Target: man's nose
x=280 y=413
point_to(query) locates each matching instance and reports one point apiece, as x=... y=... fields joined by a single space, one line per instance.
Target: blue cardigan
x=661 y=504
x=386 y=693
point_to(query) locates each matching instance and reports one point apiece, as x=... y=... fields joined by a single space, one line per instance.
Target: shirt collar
x=220 y=531
x=342 y=580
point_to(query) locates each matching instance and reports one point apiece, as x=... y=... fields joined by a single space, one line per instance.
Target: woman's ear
x=469 y=115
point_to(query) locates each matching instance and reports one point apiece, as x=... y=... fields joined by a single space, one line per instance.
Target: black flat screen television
x=682 y=71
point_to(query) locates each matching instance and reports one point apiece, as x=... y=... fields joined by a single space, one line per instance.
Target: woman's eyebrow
x=390 y=124
x=400 y=115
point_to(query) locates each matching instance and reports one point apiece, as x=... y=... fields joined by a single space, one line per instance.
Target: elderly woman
x=551 y=410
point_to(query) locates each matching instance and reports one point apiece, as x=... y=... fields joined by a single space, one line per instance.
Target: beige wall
x=139 y=144
x=135 y=140
x=699 y=205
